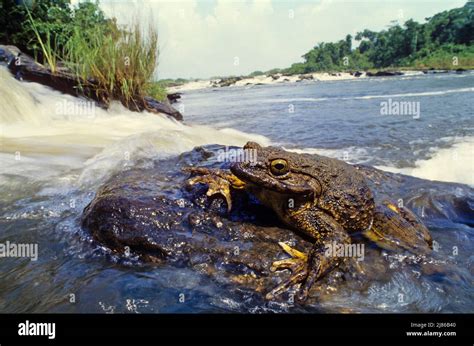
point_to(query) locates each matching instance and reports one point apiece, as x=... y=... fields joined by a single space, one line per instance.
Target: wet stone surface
x=149 y=214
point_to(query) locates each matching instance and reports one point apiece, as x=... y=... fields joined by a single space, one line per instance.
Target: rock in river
x=148 y=214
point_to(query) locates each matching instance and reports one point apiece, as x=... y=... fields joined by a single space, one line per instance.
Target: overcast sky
x=200 y=39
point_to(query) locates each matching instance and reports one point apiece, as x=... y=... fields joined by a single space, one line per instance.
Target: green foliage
x=120 y=62
x=173 y=82
x=431 y=44
x=156 y=90
x=256 y=73
x=48 y=47
x=445 y=57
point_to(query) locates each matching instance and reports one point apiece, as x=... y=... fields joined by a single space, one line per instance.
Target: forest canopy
x=444 y=41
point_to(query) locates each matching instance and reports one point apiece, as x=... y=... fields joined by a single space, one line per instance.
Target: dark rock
x=275 y=76
x=8 y=53
x=173 y=97
x=305 y=77
x=225 y=82
x=162 y=107
x=384 y=74
x=434 y=71
x=357 y=74
x=24 y=67
x=150 y=211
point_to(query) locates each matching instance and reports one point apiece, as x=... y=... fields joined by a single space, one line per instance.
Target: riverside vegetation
x=120 y=61
x=434 y=44
x=444 y=42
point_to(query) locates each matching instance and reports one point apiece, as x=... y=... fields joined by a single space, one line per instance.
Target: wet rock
x=149 y=213
x=225 y=82
x=434 y=71
x=173 y=97
x=384 y=74
x=308 y=76
x=275 y=76
x=162 y=107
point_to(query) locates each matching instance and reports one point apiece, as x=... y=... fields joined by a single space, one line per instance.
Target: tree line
x=444 y=41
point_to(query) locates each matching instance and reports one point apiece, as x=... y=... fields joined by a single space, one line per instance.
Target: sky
x=206 y=38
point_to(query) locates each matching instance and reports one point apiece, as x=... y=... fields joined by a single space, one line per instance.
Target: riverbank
x=279 y=78
x=25 y=68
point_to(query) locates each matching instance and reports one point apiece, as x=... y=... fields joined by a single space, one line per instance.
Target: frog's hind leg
x=307 y=269
x=398 y=228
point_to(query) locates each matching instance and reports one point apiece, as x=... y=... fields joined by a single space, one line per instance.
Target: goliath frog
x=325 y=199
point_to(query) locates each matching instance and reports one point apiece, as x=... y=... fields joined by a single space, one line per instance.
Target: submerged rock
x=149 y=214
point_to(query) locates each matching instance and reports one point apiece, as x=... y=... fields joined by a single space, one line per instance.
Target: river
x=52 y=162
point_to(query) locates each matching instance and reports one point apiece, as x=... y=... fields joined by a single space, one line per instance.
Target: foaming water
x=344 y=120
x=52 y=162
x=39 y=132
x=454 y=164
x=369 y=97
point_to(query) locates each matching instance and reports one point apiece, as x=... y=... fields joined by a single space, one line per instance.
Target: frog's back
x=344 y=191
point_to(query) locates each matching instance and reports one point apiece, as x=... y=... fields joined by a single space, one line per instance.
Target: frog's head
x=275 y=170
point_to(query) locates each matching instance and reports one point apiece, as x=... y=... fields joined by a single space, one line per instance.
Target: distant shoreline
x=280 y=78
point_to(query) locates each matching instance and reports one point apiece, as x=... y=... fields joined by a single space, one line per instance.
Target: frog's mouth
x=257 y=175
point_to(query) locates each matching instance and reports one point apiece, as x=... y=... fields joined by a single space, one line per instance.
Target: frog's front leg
x=218 y=181
x=306 y=269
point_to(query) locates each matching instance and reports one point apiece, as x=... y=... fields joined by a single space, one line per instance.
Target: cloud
x=216 y=38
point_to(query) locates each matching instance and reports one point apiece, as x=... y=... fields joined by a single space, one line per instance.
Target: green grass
x=156 y=90
x=47 y=47
x=119 y=62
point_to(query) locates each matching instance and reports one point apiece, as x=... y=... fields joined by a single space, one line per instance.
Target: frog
x=325 y=200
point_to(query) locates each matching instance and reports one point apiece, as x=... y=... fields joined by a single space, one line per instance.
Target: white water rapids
x=41 y=139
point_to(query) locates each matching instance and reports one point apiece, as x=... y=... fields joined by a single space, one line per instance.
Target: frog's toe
x=215 y=186
x=298 y=264
x=292 y=264
x=298 y=259
x=320 y=265
x=296 y=278
x=293 y=252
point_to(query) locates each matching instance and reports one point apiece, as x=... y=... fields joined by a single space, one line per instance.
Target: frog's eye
x=279 y=167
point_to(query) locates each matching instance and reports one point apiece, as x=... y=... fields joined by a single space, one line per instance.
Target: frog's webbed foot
x=219 y=182
x=297 y=264
x=305 y=270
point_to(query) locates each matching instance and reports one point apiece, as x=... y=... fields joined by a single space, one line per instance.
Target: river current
x=52 y=162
